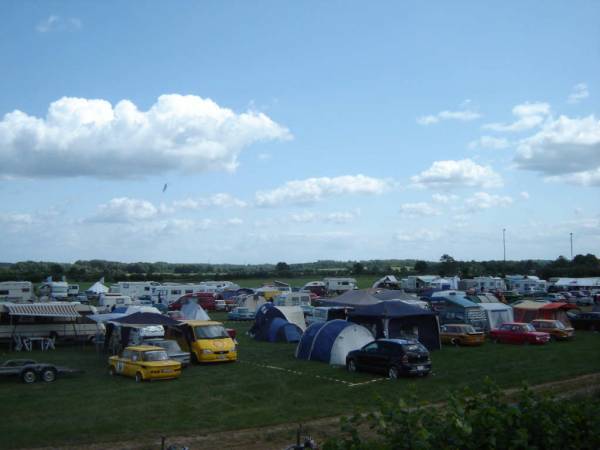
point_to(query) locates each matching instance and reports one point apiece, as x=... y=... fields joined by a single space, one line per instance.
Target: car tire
x=454 y=341
x=49 y=375
x=112 y=371
x=29 y=376
x=393 y=373
x=351 y=366
x=139 y=377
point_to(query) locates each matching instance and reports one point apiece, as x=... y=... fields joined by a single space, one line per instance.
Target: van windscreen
x=210 y=332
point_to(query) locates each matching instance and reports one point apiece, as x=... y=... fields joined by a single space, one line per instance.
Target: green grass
x=95 y=407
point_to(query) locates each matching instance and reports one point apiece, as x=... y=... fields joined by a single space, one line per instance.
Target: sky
x=264 y=131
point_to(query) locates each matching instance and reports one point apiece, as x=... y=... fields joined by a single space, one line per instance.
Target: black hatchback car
x=393 y=357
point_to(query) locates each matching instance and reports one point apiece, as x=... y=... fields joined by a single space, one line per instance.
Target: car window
x=505 y=327
x=135 y=356
x=371 y=348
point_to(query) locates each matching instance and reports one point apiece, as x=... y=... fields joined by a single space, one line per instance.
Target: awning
x=42 y=310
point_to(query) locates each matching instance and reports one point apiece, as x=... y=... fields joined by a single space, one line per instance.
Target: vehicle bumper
x=417 y=369
x=162 y=374
x=217 y=357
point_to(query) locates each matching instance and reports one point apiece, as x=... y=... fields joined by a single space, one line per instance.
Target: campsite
x=274 y=381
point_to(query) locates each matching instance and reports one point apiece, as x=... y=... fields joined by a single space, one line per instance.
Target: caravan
x=16 y=291
x=135 y=289
x=339 y=285
x=54 y=290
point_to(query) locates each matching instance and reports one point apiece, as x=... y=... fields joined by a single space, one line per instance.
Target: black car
x=393 y=357
x=586 y=321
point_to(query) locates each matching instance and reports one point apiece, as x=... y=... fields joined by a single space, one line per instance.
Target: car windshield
x=170 y=346
x=528 y=327
x=155 y=355
x=468 y=329
x=558 y=324
x=210 y=332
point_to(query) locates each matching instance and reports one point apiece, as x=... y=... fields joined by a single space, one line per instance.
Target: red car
x=204 y=299
x=518 y=333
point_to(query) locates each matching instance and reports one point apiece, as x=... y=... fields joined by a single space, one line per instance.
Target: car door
x=367 y=357
x=132 y=364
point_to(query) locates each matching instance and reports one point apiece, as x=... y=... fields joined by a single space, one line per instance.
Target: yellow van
x=207 y=341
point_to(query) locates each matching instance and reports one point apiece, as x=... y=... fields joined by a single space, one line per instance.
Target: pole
x=571 y=236
x=504 y=243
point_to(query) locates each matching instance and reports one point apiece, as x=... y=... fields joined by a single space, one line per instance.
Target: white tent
x=193 y=311
x=497 y=314
x=293 y=314
x=97 y=288
x=252 y=302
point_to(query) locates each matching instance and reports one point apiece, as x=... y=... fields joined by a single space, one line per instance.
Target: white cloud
x=16 y=219
x=489 y=142
x=221 y=200
x=419 y=235
x=579 y=92
x=314 y=189
x=452 y=174
x=419 y=209
x=529 y=115
x=82 y=137
x=234 y=221
x=464 y=115
x=264 y=156
x=564 y=149
x=525 y=195
x=57 y=23
x=483 y=200
x=338 y=217
x=444 y=199
x=124 y=209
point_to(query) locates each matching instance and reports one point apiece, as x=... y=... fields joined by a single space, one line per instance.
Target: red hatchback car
x=518 y=333
x=204 y=299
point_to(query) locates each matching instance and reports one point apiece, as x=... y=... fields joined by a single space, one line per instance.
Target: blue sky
x=296 y=131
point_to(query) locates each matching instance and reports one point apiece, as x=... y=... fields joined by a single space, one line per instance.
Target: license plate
x=166 y=370
x=420 y=367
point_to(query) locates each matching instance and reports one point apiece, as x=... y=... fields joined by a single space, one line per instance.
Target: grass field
x=95 y=407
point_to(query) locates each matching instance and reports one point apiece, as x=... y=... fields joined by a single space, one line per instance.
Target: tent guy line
x=296 y=372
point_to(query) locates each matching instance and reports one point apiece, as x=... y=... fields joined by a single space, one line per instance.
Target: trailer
x=16 y=291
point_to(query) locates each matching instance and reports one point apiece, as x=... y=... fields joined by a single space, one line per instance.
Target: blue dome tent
x=271 y=324
x=331 y=341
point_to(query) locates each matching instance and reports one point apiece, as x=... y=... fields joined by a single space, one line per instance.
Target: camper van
x=207 y=341
x=16 y=291
x=339 y=285
x=107 y=302
x=134 y=289
x=54 y=290
x=48 y=320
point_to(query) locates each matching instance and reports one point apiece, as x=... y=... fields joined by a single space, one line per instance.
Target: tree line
x=92 y=270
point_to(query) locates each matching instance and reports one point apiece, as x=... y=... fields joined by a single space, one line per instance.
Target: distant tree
x=282 y=269
x=358 y=268
x=421 y=267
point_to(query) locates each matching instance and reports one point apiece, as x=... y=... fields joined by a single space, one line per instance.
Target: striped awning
x=54 y=309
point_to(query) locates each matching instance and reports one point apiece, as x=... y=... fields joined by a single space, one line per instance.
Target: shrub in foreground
x=486 y=420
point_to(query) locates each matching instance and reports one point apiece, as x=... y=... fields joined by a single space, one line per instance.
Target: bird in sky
x=165 y=187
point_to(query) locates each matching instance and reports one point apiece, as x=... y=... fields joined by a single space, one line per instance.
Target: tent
x=145 y=319
x=331 y=341
x=271 y=324
x=193 y=311
x=251 y=301
x=497 y=314
x=528 y=310
x=356 y=297
x=97 y=288
x=396 y=319
x=387 y=282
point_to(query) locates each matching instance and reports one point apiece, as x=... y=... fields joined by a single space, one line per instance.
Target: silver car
x=172 y=348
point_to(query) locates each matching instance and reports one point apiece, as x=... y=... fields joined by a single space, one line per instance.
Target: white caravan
x=134 y=289
x=54 y=290
x=16 y=291
x=170 y=292
x=107 y=302
x=339 y=285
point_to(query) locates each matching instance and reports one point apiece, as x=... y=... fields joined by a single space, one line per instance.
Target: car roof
x=143 y=348
x=399 y=341
x=195 y=323
x=543 y=320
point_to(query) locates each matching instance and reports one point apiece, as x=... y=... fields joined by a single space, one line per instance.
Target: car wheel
x=393 y=373
x=29 y=376
x=139 y=377
x=112 y=371
x=49 y=375
x=454 y=341
x=351 y=365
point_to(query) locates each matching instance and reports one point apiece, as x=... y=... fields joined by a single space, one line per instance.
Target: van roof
x=197 y=323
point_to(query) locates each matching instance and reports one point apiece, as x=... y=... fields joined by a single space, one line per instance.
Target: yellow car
x=555 y=328
x=144 y=362
x=460 y=334
x=207 y=341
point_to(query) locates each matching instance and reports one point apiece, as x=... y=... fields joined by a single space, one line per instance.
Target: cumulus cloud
x=525 y=195
x=124 y=209
x=489 y=142
x=579 y=92
x=220 y=200
x=83 y=137
x=457 y=173
x=337 y=217
x=529 y=115
x=564 y=149
x=56 y=23
x=444 y=199
x=484 y=200
x=420 y=209
x=463 y=115
x=419 y=235
x=314 y=189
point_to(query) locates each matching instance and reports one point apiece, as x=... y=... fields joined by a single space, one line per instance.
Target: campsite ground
x=268 y=386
